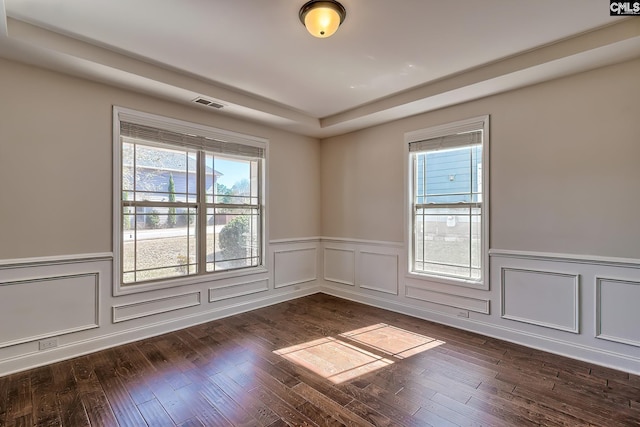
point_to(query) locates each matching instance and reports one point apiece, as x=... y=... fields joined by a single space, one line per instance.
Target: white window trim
x=434 y=132
x=127 y=115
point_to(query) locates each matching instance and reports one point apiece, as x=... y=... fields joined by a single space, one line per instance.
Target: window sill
x=122 y=289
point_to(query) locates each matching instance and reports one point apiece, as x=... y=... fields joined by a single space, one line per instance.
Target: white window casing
x=189 y=152
x=447 y=203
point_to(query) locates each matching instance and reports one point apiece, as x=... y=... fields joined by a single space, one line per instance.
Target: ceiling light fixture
x=322 y=18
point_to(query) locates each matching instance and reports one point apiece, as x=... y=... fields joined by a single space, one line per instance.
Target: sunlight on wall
x=357 y=352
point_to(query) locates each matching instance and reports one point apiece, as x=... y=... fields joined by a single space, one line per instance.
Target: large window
x=189 y=199
x=448 y=237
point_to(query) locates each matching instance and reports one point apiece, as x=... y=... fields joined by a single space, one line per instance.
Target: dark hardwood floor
x=320 y=361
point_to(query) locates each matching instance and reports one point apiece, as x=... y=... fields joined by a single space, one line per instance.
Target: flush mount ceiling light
x=322 y=18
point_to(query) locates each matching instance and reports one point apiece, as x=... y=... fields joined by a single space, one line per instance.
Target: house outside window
x=189 y=200
x=448 y=185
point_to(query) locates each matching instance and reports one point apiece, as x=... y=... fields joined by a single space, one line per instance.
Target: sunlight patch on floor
x=333 y=359
x=342 y=359
x=391 y=340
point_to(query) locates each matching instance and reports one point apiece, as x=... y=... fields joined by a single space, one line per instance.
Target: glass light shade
x=322 y=22
x=322 y=18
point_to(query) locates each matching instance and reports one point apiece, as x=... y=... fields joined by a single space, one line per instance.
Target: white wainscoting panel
x=235 y=290
x=294 y=266
x=340 y=265
x=71 y=298
x=378 y=272
x=542 y=298
x=150 y=307
x=43 y=307
x=458 y=301
x=618 y=310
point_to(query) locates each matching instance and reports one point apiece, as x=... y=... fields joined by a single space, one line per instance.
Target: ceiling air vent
x=208 y=102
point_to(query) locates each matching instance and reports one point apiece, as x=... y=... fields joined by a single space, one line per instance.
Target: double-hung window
x=189 y=199
x=449 y=203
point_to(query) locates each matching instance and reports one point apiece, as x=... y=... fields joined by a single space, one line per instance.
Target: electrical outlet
x=48 y=343
x=463 y=313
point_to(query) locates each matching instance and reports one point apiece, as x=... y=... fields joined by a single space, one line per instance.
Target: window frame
x=474 y=123
x=121 y=114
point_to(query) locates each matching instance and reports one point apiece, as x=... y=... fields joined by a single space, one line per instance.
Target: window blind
x=152 y=134
x=447 y=141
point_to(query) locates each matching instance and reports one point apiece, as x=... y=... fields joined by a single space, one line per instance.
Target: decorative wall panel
x=458 y=301
x=237 y=290
x=294 y=266
x=151 y=307
x=618 y=310
x=542 y=298
x=43 y=307
x=378 y=272
x=339 y=265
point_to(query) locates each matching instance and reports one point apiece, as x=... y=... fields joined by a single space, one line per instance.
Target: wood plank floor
x=320 y=361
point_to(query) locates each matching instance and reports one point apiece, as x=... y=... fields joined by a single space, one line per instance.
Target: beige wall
x=294 y=186
x=56 y=164
x=564 y=172
x=564 y=168
x=362 y=184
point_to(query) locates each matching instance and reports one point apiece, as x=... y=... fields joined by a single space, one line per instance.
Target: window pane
x=160 y=174
x=448 y=176
x=231 y=180
x=448 y=171
x=476 y=239
x=232 y=238
x=447 y=241
x=127 y=167
x=476 y=173
x=158 y=243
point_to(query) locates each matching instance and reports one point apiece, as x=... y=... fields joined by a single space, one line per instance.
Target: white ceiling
x=389 y=59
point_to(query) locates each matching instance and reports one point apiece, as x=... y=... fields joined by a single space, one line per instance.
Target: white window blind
x=163 y=136
x=447 y=141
